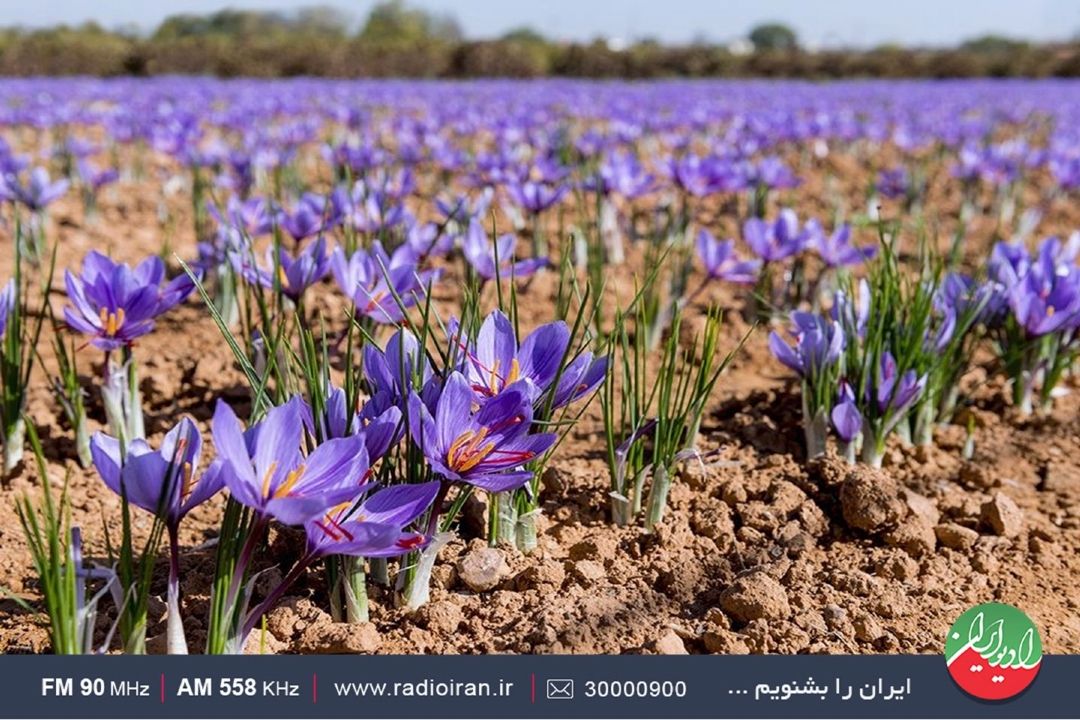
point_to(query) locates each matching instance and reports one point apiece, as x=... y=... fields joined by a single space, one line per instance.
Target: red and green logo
x=993 y=651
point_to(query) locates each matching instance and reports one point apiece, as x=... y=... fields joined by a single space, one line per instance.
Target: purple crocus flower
x=1047 y=297
x=896 y=394
x=313 y=214
x=694 y=175
x=960 y=295
x=778 y=241
x=535 y=197
x=265 y=468
x=836 y=249
x=427 y=240
x=846 y=417
x=378 y=421
x=580 y=377
x=818 y=344
x=158 y=481
x=96 y=178
x=374 y=528
x=893 y=182
x=115 y=304
x=621 y=173
x=721 y=262
x=252 y=217
x=39 y=190
x=295 y=274
x=853 y=316
x=486 y=447
x=380 y=286
x=399 y=368
x=481 y=255
x=495 y=360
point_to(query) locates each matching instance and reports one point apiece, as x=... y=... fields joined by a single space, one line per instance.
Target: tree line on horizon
x=396 y=40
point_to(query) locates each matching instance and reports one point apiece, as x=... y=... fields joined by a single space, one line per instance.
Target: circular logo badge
x=993 y=651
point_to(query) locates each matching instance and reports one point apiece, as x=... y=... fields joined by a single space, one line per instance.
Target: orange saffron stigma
x=411 y=542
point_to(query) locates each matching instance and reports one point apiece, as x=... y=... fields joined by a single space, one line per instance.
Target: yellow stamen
x=375 y=301
x=465 y=452
x=266 y=479
x=493 y=377
x=283 y=277
x=337 y=511
x=185 y=482
x=474 y=458
x=291 y=479
x=515 y=372
x=111 y=321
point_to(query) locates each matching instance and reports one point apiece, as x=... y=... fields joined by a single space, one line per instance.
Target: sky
x=819 y=23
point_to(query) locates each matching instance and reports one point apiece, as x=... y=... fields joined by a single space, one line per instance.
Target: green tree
x=393 y=22
x=773 y=36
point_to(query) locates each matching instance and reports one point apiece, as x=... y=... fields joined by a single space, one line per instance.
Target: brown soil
x=760 y=551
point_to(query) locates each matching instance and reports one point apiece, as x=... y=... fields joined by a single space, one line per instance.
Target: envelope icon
x=560 y=689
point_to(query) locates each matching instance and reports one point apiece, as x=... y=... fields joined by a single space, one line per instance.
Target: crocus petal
x=784 y=353
x=543 y=352
x=847 y=420
x=399 y=505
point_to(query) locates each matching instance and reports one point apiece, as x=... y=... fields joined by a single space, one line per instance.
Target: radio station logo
x=993 y=651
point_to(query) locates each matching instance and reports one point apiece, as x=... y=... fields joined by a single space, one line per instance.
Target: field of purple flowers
x=329 y=366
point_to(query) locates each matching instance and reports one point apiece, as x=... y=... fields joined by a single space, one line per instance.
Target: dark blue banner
x=347 y=686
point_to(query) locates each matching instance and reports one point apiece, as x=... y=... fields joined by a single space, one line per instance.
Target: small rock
x=542 y=574
x=670 y=644
x=734 y=493
x=758 y=515
x=867 y=628
x=956 y=536
x=482 y=569
x=813 y=519
x=976 y=476
x=828 y=470
x=1002 y=515
x=985 y=563
x=922 y=506
x=812 y=622
x=601 y=547
x=441 y=616
x=915 y=535
x=725 y=642
x=588 y=572
x=339 y=638
x=899 y=566
x=869 y=500
x=755 y=596
x=786 y=497
x=834 y=613
x=716 y=616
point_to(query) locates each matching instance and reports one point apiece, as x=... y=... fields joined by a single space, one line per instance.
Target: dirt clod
x=1003 y=516
x=756 y=596
x=915 y=535
x=956 y=536
x=869 y=500
x=670 y=644
x=339 y=638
